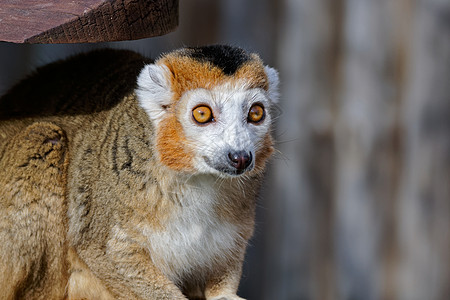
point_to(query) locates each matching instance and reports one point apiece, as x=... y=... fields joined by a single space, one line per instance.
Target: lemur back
x=152 y=168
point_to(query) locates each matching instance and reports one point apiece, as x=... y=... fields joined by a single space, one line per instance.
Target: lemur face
x=225 y=126
x=211 y=109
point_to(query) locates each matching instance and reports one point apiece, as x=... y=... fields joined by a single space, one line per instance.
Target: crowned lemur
x=123 y=178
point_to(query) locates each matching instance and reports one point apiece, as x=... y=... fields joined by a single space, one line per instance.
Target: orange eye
x=256 y=113
x=202 y=114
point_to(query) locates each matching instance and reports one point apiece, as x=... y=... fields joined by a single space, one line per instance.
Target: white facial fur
x=230 y=103
x=154 y=91
x=230 y=131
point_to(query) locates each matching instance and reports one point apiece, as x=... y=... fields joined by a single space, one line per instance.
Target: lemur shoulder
x=126 y=178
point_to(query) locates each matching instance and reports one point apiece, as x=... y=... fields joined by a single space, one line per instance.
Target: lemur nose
x=240 y=159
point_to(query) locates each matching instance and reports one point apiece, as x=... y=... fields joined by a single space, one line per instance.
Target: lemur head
x=211 y=107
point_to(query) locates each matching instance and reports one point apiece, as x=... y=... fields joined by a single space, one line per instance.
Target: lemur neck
x=223 y=195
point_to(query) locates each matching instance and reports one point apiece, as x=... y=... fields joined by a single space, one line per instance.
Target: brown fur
x=83 y=284
x=32 y=214
x=172 y=143
x=189 y=74
x=264 y=153
x=80 y=181
x=253 y=73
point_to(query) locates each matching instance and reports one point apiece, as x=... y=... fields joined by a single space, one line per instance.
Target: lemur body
x=133 y=189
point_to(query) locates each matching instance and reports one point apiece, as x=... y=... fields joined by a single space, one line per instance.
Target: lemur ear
x=274 y=81
x=154 y=90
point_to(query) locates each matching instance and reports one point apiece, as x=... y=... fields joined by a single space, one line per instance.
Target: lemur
x=126 y=178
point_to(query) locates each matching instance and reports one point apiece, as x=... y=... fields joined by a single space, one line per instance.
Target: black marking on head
x=228 y=59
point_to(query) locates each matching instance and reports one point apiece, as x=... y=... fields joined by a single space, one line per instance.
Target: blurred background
x=356 y=202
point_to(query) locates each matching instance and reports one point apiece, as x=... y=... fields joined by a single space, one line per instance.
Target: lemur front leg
x=127 y=272
x=224 y=286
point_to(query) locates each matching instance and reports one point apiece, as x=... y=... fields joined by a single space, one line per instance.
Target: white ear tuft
x=274 y=81
x=153 y=90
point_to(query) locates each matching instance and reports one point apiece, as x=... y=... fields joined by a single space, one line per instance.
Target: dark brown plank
x=40 y=21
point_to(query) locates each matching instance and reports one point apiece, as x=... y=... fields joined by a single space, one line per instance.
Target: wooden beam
x=87 y=21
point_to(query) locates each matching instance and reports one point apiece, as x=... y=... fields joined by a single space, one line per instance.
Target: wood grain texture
x=87 y=21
